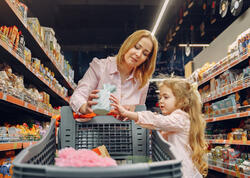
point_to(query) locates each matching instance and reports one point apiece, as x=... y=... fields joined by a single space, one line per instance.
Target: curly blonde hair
x=187 y=99
x=143 y=72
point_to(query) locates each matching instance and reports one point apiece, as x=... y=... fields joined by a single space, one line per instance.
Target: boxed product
x=49 y=36
x=34 y=24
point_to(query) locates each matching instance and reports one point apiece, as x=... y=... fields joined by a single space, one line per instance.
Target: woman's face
x=167 y=100
x=138 y=53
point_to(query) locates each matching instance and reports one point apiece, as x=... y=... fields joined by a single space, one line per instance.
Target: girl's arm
x=131 y=115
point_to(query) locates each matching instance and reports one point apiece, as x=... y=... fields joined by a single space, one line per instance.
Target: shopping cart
x=125 y=141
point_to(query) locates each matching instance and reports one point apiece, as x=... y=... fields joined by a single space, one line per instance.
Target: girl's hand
x=86 y=108
x=118 y=108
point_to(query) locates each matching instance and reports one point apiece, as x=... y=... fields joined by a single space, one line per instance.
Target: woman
x=130 y=71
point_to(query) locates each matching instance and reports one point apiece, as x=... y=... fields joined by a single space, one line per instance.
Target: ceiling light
x=159 y=17
x=194 y=45
x=156 y=80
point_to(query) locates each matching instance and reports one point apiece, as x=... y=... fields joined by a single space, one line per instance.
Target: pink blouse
x=103 y=71
x=175 y=129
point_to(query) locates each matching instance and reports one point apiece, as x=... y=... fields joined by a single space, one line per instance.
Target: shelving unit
x=34 y=44
x=14 y=106
x=16 y=101
x=227 y=92
x=228 y=172
x=231 y=142
x=15 y=145
x=229 y=116
x=30 y=74
x=219 y=94
x=226 y=67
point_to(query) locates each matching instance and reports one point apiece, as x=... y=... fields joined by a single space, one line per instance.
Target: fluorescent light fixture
x=163 y=8
x=194 y=45
x=156 y=80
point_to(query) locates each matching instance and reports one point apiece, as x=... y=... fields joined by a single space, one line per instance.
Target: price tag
x=15 y=145
x=10 y=50
x=25 y=104
x=4 y=96
x=17 y=56
x=231 y=140
x=237 y=173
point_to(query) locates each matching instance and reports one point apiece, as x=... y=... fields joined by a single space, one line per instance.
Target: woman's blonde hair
x=188 y=100
x=143 y=72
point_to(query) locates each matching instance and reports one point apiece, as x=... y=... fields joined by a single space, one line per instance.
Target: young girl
x=180 y=123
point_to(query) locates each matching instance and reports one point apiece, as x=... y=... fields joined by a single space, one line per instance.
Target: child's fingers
x=114 y=99
x=125 y=119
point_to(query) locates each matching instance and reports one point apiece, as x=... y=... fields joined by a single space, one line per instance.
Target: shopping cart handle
x=91 y=115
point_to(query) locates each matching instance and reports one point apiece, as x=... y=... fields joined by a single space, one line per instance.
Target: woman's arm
x=86 y=108
x=144 y=94
x=84 y=93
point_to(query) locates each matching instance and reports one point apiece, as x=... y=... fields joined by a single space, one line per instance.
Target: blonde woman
x=130 y=71
x=180 y=123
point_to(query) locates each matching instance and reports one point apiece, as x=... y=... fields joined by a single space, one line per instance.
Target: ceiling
x=95 y=25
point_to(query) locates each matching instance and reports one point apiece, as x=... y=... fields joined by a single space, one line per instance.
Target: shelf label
x=230 y=140
x=10 y=50
x=14 y=100
x=4 y=96
x=15 y=145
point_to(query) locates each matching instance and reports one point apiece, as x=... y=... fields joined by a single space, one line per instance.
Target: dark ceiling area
x=94 y=25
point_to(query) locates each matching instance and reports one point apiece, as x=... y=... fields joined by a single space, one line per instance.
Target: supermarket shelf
x=228 y=172
x=230 y=116
x=19 y=102
x=27 y=70
x=9 y=15
x=10 y=146
x=231 y=142
x=27 y=144
x=226 y=67
x=15 y=145
x=227 y=92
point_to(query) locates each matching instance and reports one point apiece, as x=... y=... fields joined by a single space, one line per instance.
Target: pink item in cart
x=69 y=157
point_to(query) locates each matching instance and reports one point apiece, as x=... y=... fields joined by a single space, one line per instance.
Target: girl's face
x=167 y=100
x=138 y=53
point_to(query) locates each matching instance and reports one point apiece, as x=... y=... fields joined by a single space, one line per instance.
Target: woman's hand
x=86 y=108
